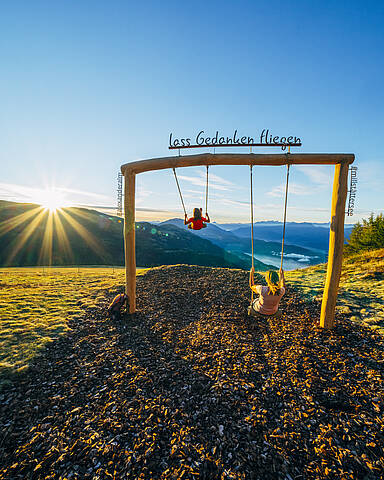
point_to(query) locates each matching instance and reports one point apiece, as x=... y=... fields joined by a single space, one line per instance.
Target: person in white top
x=269 y=296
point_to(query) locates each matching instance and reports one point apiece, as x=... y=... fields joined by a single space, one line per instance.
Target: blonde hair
x=273 y=282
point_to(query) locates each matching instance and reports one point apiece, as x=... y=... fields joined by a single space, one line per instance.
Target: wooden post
x=129 y=239
x=336 y=243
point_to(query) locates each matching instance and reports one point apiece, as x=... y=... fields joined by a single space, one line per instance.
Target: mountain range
x=30 y=236
x=88 y=237
x=308 y=235
x=238 y=242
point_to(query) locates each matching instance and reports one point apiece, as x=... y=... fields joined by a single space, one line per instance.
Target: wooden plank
x=129 y=240
x=276 y=159
x=336 y=243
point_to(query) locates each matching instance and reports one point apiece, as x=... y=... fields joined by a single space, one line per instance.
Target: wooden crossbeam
x=276 y=159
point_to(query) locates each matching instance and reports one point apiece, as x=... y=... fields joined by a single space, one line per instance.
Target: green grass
x=361 y=293
x=36 y=305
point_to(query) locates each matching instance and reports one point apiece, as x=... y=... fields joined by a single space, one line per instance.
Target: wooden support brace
x=129 y=239
x=336 y=243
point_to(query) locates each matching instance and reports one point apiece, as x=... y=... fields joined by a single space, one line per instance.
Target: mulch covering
x=190 y=387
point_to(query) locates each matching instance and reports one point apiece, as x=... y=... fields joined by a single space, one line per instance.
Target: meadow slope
x=190 y=387
x=36 y=305
x=361 y=293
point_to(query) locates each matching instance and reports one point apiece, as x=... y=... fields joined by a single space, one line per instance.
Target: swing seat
x=252 y=313
x=193 y=226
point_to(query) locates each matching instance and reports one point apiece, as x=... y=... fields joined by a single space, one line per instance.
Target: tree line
x=367 y=235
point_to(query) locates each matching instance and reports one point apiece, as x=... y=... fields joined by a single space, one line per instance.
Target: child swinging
x=269 y=296
x=197 y=221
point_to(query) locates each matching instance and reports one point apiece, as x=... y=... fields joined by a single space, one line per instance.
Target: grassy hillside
x=36 y=306
x=30 y=236
x=361 y=294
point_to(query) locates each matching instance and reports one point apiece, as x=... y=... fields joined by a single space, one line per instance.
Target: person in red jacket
x=197 y=221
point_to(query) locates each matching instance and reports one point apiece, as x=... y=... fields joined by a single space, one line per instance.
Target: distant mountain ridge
x=308 y=235
x=312 y=235
x=238 y=241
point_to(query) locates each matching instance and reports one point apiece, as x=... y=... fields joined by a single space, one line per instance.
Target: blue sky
x=87 y=86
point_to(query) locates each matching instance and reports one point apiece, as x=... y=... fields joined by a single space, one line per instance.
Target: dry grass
x=35 y=306
x=361 y=292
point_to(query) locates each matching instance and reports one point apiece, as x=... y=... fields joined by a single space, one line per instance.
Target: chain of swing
x=284 y=221
x=181 y=196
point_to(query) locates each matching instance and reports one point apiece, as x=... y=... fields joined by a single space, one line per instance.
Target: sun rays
x=49 y=225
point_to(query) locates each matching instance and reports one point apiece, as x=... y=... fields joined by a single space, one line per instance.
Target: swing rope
x=206 y=194
x=253 y=263
x=285 y=217
x=178 y=186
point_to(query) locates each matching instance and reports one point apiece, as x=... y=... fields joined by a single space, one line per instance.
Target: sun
x=51 y=200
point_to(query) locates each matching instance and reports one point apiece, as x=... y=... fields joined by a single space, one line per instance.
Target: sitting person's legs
x=253 y=311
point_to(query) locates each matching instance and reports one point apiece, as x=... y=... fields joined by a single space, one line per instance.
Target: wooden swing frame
x=336 y=233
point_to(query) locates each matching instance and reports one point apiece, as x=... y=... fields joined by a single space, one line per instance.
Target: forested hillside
x=367 y=235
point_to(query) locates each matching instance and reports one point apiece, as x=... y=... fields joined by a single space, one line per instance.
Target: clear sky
x=87 y=86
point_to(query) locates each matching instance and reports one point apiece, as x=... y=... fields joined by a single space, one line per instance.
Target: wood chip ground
x=189 y=387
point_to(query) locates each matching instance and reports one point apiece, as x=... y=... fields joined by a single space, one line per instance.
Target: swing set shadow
x=339 y=196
